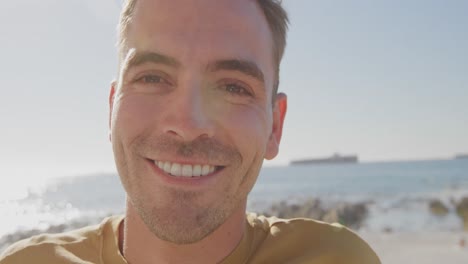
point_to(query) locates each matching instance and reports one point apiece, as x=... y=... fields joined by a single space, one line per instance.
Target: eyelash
x=240 y=89
x=153 y=77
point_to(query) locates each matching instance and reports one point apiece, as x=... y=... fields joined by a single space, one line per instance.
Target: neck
x=139 y=245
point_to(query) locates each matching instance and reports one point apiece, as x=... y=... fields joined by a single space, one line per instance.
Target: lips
x=186 y=170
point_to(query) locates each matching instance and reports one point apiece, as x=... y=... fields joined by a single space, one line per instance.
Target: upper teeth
x=184 y=170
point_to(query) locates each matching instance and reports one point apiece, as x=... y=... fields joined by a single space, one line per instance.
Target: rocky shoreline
x=352 y=215
x=438 y=208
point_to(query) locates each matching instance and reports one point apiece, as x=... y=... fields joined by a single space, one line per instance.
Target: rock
x=462 y=211
x=310 y=209
x=438 y=208
x=350 y=215
x=462 y=206
x=331 y=216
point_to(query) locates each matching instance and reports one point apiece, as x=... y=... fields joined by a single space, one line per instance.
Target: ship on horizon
x=461 y=156
x=334 y=159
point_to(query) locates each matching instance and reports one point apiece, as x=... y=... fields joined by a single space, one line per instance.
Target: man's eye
x=151 y=79
x=237 y=89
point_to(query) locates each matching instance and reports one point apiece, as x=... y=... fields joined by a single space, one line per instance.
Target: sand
x=424 y=248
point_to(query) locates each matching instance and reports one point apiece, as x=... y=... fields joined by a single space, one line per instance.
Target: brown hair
x=275 y=15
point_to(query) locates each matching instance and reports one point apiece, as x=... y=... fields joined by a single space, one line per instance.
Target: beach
x=421 y=247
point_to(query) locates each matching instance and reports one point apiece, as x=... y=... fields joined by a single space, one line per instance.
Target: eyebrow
x=140 y=58
x=243 y=66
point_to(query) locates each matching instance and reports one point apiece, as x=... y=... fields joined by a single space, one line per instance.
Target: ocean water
x=398 y=194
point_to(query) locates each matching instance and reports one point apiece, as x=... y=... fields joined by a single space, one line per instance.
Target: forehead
x=201 y=15
x=201 y=30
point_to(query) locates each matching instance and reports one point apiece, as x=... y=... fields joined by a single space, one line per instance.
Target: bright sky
x=383 y=79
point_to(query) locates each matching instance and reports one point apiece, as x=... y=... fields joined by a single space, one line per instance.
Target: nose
x=188 y=117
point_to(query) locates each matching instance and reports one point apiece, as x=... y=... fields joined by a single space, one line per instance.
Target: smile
x=186 y=170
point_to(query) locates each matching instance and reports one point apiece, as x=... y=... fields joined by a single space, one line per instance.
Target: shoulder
x=308 y=239
x=68 y=247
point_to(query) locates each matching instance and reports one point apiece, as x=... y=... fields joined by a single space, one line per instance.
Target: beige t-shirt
x=267 y=240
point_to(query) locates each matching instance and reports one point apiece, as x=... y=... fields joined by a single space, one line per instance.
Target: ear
x=113 y=88
x=279 y=112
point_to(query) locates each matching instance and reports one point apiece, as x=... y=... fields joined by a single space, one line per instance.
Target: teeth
x=205 y=169
x=196 y=171
x=184 y=170
x=166 y=167
x=176 y=169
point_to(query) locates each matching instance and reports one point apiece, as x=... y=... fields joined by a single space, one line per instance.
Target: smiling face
x=191 y=115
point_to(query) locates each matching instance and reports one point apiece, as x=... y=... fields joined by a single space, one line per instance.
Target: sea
x=397 y=194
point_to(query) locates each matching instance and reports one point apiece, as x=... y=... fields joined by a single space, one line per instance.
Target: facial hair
x=178 y=216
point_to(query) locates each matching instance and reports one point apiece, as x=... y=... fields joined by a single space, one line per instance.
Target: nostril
x=172 y=132
x=189 y=131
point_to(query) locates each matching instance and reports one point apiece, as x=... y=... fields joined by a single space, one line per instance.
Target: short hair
x=275 y=15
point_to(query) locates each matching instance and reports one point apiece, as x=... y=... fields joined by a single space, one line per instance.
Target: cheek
x=248 y=128
x=133 y=114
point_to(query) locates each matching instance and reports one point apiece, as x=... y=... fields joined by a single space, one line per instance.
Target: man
x=193 y=113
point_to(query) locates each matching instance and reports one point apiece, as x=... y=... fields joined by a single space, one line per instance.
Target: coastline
x=392 y=246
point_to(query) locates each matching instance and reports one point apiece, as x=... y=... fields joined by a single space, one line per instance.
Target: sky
x=386 y=80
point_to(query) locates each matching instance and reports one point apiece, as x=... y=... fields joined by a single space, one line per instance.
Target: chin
x=182 y=223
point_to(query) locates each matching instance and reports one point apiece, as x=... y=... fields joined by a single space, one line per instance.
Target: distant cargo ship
x=335 y=159
x=461 y=156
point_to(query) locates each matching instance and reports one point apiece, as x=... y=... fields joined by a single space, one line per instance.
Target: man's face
x=191 y=115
